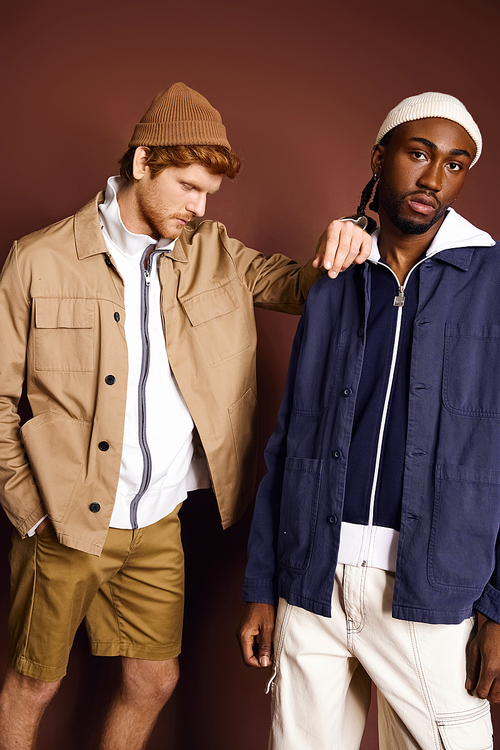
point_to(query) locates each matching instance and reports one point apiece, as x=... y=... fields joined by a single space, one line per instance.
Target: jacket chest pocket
x=471 y=362
x=64 y=334
x=218 y=323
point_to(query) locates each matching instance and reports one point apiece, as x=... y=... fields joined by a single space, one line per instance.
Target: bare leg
x=23 y=701
x=145 y=688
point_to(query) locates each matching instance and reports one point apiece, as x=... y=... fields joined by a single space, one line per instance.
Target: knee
x=151 y=682
x=27 y=691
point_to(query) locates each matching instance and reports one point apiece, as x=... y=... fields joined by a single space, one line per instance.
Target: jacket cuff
x=489 y=603
x=262 y=590
x=31 y=520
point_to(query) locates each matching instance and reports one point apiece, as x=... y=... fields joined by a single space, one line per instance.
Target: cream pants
x=324 y=668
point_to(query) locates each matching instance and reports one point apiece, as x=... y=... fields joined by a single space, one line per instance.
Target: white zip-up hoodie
x=168 y=429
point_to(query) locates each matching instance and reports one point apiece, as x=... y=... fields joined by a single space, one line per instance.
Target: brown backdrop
x=303 y=87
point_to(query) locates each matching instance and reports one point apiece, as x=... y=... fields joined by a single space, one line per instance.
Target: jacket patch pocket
x=218 y=323
x=471 y=361
x=64 y=334
x=467 y=730
x=298 y=513
x=465 y=523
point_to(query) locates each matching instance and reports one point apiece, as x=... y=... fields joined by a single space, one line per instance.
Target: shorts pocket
x=64 y=334
x=467 y=730
x=298 y=513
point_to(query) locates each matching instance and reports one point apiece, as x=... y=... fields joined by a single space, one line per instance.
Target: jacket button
x=103 y=445
x=110 y=379
x=347 y=392
x=117 y=316
x=94 y=507
x=107 y=260
x=337 y=454
x=332 y=520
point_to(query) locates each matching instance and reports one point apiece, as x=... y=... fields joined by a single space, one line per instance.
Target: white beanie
x=433 y=104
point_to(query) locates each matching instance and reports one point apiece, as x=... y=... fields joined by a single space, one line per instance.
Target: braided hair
x=368 y=189
x=366 y=196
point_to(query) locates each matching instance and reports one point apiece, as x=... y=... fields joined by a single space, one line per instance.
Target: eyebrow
x=433 y=147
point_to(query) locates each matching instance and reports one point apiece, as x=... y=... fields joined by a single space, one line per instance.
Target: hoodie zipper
x=145 y=345
x=399 y=301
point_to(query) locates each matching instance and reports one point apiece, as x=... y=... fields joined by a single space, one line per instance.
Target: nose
x=432 y=177
x=197 y=204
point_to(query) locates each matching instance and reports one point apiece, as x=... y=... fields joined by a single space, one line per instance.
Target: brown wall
x=303 y=87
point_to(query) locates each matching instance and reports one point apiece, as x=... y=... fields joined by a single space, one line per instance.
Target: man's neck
x=402 y=251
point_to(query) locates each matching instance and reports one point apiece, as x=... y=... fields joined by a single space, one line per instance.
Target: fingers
x=343 y=244
x=266 y=644
x=255 y=634
x=473 y=666
x=246 y=640
x=483 y=663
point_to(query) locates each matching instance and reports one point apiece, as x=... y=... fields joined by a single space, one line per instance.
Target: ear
x=377 y=158
x=140 y=167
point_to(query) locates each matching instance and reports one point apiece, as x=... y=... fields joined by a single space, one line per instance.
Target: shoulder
x=46 y=235
x=61 y=233
x=203 y=229
x=327 y=288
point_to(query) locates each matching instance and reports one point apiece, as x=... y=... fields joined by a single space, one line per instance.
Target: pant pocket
x=467 y=730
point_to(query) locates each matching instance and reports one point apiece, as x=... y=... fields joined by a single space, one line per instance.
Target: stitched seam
x=32 y=603
x=423 y=685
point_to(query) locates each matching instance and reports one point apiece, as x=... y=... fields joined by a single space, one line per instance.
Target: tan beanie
x=433 y=104
x=180 y=116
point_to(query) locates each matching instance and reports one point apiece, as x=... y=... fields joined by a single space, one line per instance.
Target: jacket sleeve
x=276 y=282
x=261 y=575
x=489 y=601
x=18 y=491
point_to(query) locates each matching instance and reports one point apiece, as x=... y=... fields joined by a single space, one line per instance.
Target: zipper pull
x=147 y=277
x=399 y=299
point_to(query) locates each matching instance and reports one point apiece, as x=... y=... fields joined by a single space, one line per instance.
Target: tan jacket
x=62 y=333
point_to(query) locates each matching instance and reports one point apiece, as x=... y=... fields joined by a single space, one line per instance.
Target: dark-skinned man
x=375 y=529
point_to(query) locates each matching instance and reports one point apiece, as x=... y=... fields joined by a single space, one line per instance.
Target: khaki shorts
x=132 y=597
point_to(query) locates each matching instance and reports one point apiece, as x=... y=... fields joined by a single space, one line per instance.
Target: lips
x=423 y=204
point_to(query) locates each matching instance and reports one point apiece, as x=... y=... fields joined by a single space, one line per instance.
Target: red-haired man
x=131 y=325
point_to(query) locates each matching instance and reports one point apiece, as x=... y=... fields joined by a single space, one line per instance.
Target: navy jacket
x=448 y=546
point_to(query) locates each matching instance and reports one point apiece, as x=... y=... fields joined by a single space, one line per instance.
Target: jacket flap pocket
x=211 y=304
x=64 y=313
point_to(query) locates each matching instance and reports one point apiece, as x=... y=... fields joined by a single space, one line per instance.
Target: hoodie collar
x=128 y=243
x=455 y=233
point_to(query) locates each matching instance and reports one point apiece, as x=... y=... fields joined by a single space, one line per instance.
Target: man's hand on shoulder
x=255 y=634
x=483 y=662
x=343 y=244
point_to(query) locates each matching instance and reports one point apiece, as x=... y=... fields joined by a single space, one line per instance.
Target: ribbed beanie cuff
x=180 y=116
x=433 y=104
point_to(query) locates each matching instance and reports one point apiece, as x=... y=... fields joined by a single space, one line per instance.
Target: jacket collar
x=88 y=234
x=455 y=241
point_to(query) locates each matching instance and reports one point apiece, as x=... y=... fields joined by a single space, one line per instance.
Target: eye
x=419 y=155
x=454 y=166
x=186 y=186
